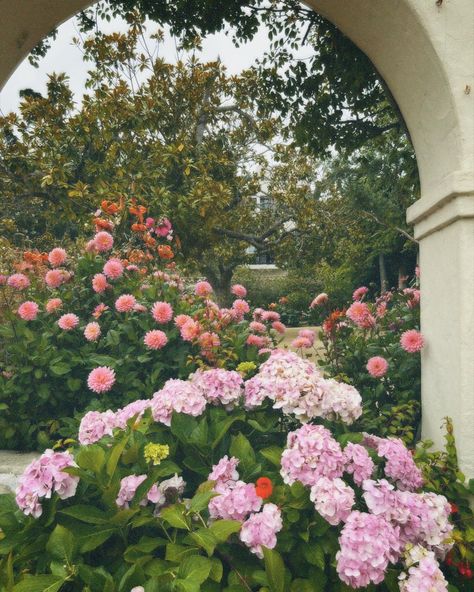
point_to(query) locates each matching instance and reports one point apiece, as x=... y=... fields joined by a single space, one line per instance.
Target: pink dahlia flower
x=319 y=300
x=99 y=283
x=359 y=293
x=377 y=366
x=270 y=316
x=359 y=313
x=19 y=281
x=190 y=330
x=412 y=341
x=155 y=339
x=53 y=304
x=54 y=278
x=68 y=321
x=241 y=307
x=256 y=340
x=92 y=331
x=113 y=269
x=99 y=310
x=181 y=320
x=162 y=312
x=203 y=289
x=278 y=326
x=57 y=257
x=239 y=290
x=164 y=227
x=101 y=379
x=125 y=303
x=209 y=340
x=301 y=343
x=257 y=327
x=103 y=241
x=28 y=311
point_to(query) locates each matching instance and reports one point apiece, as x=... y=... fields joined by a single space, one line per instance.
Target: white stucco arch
x=424 y=49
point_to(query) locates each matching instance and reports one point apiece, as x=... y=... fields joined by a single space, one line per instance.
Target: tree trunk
x=383 y=274
x=221 y=281
x=402 y=277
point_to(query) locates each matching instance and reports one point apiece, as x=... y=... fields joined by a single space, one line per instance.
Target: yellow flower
x=246 y=367
x=156 y=452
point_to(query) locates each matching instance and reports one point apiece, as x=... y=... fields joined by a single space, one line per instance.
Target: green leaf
x=242 y=449
x=176 y=553
x=115 y=455
x=272 y=454
x=314 y=554
x=175 y=516
x=94 y=538
x=205 y=539
x=91 y=458
x=60 y=368
x=222 y=428
x=45 y=583
x=222 y=529
x=61 y=544
x=275 y=570
x=201 y=500
x=217 y=569
x=89 y=514
x=195 y=569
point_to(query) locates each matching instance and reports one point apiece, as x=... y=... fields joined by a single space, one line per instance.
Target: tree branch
x=397 y=228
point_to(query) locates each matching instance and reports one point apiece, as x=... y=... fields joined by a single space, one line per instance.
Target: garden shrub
x=375 y=346
x=107 y=326
x=215 y=484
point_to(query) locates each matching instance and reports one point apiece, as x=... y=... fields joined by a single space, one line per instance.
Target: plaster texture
x=424 y=50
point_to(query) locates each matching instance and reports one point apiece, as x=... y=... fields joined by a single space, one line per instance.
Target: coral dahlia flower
x=412 y=341
x=54 y=278
x=19 y=281
x=239 y=290
x=68 y=321
x=28 y=311
x=113 y=269
x=203 y=289
x=101 y=379
x=125 y=303
x=377 y=366
x=103 y=241
x=53 y=304
x=162 y=312
x=92 y=331
x=155 y=339
x=57 y=257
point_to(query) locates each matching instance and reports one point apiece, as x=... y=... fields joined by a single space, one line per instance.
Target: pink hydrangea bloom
x=99 y=283
x=235 y=503
x=125 y=303
x=155 y=339
x=399 y=464
x=128 y=488
x=279 y=327
x=239 y=290
x=224 y=473
x=319 y=300
x=54 y=278
x=377 y=366
x=57 y=257
x=101 y=379
x=135 y=408
x=28 y=310
x=368 y=544
x=162 y=312
x=257 y=327
x=333 y=499
x=177 y=395
x=203 y=289
x=103 y=241
x=260 y=530
x=95 y=425
x=19 y=281
x=53 y=304
x=412 y=341
x=219 y=385
x=92 y=331
x=426 y=576
x=359 y=293
x=113 y=269
x=358 y=462
x=42 y=478
x=311 y=453
x=68 y=321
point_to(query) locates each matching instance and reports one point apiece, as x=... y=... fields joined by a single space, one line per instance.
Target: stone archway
x=424 y=49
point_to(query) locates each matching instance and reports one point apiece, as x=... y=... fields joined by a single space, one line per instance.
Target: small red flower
x=264 y=487
x=454 y=508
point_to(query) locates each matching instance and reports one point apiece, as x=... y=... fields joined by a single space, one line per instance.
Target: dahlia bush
x=109 y=324
x=221 y=483
x=375 y=345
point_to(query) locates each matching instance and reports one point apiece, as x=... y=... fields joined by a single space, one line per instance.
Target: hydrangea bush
x=217 y=483
x=108 y=325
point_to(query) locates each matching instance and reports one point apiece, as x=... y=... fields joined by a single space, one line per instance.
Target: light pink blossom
x=260 y=529
x=54 y=278
x=28 y=310
x=53 y=304
x=68 y=321
x=155 y=339
x=333 y=499
x=103 y=241
x=57 y=257
x=412 y=341
x=162 y=312
x=125 y=303
x=113 y=269
x=99 y=283
x=203 y=289
x=101 y=379
x=377 y=366
x=92 y=331
x=19 y=281
x=239 y=290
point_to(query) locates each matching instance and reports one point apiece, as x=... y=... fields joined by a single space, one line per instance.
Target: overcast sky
x=65 y=57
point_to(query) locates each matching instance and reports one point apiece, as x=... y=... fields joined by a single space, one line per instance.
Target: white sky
x=65 y=57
